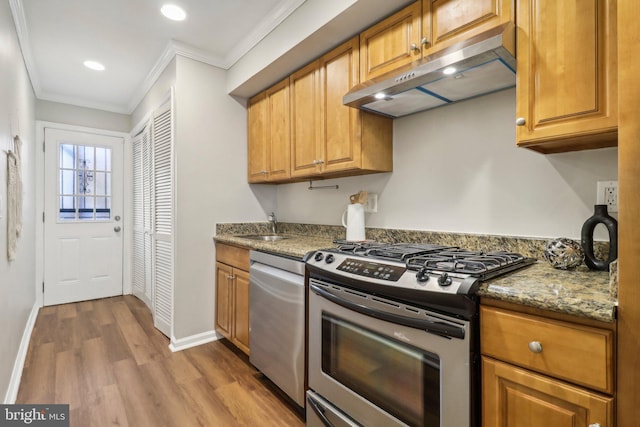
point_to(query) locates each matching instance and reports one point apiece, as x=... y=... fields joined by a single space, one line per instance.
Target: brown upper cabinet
x=327 y=137
x=567 y=75
x=299 y=129
x=269 y=135
x=424 y=28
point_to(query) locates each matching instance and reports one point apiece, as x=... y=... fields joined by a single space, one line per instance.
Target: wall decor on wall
x=14 y=197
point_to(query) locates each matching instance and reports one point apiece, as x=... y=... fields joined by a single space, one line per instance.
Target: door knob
x=117 y=228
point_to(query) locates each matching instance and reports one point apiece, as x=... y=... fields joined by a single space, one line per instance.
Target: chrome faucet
x=274 y=223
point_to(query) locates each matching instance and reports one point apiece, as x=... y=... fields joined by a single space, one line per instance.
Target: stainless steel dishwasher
x=276 y=337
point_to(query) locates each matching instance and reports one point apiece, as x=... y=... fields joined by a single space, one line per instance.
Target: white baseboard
x=192 y=341
x=18 y=365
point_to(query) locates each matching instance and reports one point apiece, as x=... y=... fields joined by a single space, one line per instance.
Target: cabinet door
x=392 y=44
x=341 y=149
x=516 y=397
x=241 y=310
x=257 y=138
x=567 y=74
x=306 y=135
x=446 y=22
x=224 y=295
x=279 y=135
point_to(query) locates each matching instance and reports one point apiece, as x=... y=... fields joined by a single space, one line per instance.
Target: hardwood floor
x=107 y=361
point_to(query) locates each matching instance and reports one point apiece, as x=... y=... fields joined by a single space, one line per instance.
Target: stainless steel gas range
x=393 y=333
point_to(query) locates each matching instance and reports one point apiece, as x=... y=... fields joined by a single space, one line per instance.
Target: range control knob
x=444 y=280
x=318 y=256
x=329 y=259
x=422 y=275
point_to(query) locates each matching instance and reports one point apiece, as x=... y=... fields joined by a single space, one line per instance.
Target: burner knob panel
x=422 y=275
x=329 y=259
x=444 y=280
x=318 y=256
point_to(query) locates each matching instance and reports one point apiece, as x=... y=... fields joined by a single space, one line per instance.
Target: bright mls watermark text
x=34 y=415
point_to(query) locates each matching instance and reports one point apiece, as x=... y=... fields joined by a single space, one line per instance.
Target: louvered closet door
x=163 y=219
x=142 y=229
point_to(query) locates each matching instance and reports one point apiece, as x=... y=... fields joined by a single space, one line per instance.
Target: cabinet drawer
x=579 y=354
x=233 y=256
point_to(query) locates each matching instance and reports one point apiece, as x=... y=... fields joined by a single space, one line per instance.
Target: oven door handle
x=319 y=411
x=437 y=328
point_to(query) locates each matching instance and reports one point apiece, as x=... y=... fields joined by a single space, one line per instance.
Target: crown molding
x=173 y=48
x=17 y=11
x=268 y=24
x=83 y=102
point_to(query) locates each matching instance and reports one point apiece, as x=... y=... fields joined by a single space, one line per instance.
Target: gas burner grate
x=356 y=248
x=466 y=262
x=404 y=251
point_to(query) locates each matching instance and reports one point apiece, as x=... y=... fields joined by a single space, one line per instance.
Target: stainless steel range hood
x=478 y=66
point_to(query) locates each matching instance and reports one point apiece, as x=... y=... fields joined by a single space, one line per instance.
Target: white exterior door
x=83 y=237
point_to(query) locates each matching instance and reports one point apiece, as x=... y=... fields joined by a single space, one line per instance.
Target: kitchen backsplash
x=529 y=247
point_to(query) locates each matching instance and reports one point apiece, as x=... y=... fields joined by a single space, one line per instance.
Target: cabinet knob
x=594 y=425
x=520 y=121
x=231 y=277
x=264 y=172
x=318 y=162
x=414 y=47
x=424 y=41
x=535 y=347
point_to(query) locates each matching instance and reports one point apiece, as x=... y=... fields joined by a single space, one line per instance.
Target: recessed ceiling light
x=93 y=65
x=173 y=12
x=449 y=70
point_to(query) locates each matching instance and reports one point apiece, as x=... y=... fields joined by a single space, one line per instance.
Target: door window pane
x=85 y=183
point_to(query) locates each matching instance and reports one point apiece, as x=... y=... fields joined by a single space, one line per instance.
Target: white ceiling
x=134 y=41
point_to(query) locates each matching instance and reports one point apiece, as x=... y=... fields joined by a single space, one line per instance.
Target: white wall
x=17 y=278
x=457 y=169
x=81 y=116
x=211 y=181
x=211 y=154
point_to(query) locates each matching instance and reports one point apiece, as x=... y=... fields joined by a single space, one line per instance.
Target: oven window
x=398 y=378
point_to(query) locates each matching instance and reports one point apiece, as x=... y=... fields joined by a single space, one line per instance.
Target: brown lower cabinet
x=232 y=294
x=539 y=371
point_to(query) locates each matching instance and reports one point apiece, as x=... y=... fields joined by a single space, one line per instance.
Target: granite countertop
x=579 y=292
x=293 y=246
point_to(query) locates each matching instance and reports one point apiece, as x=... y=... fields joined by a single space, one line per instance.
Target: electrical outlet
x=608 y=195
x=371 y=205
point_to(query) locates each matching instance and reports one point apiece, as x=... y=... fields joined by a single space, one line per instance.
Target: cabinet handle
x=264 y=172
x=424 y=41
x=318 y=162
x=415 y=47
x=535 y=347
x=520 y=121
x=231 y=277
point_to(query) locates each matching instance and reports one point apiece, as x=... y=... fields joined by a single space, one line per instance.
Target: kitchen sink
x=265 y=237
